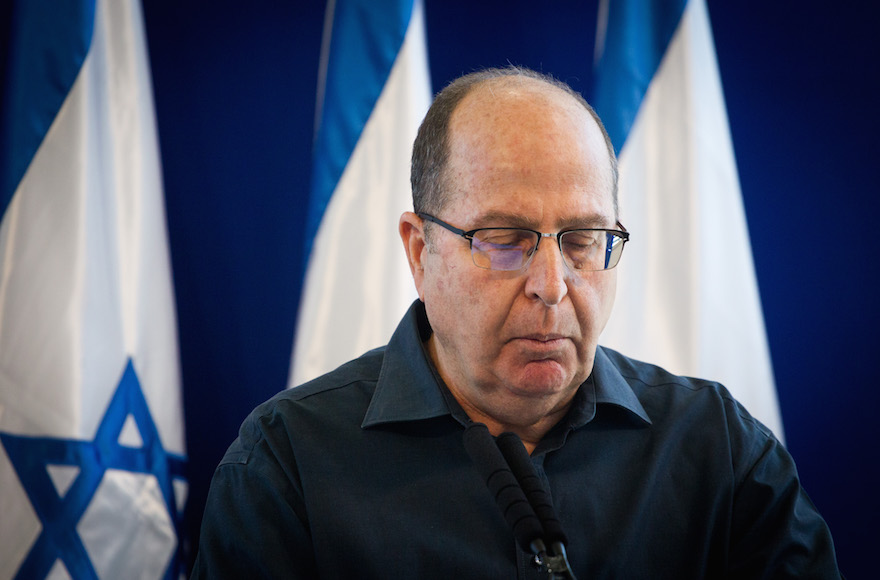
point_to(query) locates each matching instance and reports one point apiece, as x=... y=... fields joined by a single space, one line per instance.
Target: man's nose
x=546 y=273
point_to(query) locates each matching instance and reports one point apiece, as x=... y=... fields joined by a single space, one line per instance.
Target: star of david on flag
x=63 y=501
x=92 y=454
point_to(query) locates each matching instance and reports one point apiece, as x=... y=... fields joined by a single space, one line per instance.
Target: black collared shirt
x=362 y=473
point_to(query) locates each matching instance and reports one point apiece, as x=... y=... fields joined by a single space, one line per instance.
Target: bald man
x=388 y=467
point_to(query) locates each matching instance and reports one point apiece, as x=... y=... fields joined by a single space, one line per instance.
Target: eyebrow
x=504 y=219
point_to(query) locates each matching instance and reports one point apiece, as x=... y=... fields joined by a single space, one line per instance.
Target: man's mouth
x=543 y=337
x=542 y=343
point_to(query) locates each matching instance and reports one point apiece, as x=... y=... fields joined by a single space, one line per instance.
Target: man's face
x=528 y=157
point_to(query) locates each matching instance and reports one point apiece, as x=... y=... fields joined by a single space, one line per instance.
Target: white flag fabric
x=358 y=284
x=91 y=428
x=687 y=295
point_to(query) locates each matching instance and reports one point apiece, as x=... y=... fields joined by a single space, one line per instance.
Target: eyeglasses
x=509 y=249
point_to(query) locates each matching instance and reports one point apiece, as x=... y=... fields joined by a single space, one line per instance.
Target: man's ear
x=412 y=233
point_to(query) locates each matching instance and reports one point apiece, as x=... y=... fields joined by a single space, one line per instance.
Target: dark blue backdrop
x=235 y=97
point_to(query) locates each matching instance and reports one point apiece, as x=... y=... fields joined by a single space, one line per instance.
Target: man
x=363 y=472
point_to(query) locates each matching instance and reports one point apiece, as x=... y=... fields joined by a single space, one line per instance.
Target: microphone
x=508 y=494
x=520 y=463
x=523 y=469
x=520 y=495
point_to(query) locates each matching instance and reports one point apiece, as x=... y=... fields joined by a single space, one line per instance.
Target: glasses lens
x=502 y=249
x=591 y=250
x=615 y=249
x=510 y=249
x=584 y=249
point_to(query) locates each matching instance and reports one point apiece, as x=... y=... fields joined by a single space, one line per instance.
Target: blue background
x=235 y=98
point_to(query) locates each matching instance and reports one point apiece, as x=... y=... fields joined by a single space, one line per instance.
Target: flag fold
x=92 y=453
x=687 y=294
x=357 y=284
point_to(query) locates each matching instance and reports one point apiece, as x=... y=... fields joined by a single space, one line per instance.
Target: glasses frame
x=622 y=233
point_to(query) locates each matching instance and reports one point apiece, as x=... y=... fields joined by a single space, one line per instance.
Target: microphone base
x=557 y=564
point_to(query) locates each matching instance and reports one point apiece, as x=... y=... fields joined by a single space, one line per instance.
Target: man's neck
x=530 y=434
x=526 y=418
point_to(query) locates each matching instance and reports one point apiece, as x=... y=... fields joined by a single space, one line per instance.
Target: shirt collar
x=611 y=388
x=409 y=389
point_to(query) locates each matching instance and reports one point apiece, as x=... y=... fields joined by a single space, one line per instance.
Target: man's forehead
x=499 y=112
x=493 y=99
x=564 y=220
x=521 y=134
x=560 y=218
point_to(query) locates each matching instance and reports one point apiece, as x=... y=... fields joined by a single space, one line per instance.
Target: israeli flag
x=91 y=428
x=374 y=91
x=687 y=295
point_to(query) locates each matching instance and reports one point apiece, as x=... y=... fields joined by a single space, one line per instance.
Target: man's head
x=431 y=147
x=515 y=151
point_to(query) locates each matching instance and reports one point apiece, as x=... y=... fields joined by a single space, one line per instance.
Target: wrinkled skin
x=513 y=347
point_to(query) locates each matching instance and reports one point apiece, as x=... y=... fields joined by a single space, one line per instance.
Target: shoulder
x=365 y=368
x=701 y=408
x=647 y=375
x=333 y=401
x=700 y=418
x=650 y=381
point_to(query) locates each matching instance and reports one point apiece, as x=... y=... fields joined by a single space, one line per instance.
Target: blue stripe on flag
x=636 y=37
x=48 y=43
x=365 y=39
x=59 y=514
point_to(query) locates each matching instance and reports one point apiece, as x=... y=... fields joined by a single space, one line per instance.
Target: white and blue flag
x=374 y=91
x=91 y=429
x=687 y=296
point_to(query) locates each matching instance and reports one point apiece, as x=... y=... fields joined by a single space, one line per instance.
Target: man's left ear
x=412 y=233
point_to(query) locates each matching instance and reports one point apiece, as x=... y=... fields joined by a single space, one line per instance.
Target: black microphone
x=520 y=463
x=523 y=469
x=508 y=494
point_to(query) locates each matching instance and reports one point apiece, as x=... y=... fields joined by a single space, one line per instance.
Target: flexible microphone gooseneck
x=523 y=469
x=508 y=494
x=520 y=495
